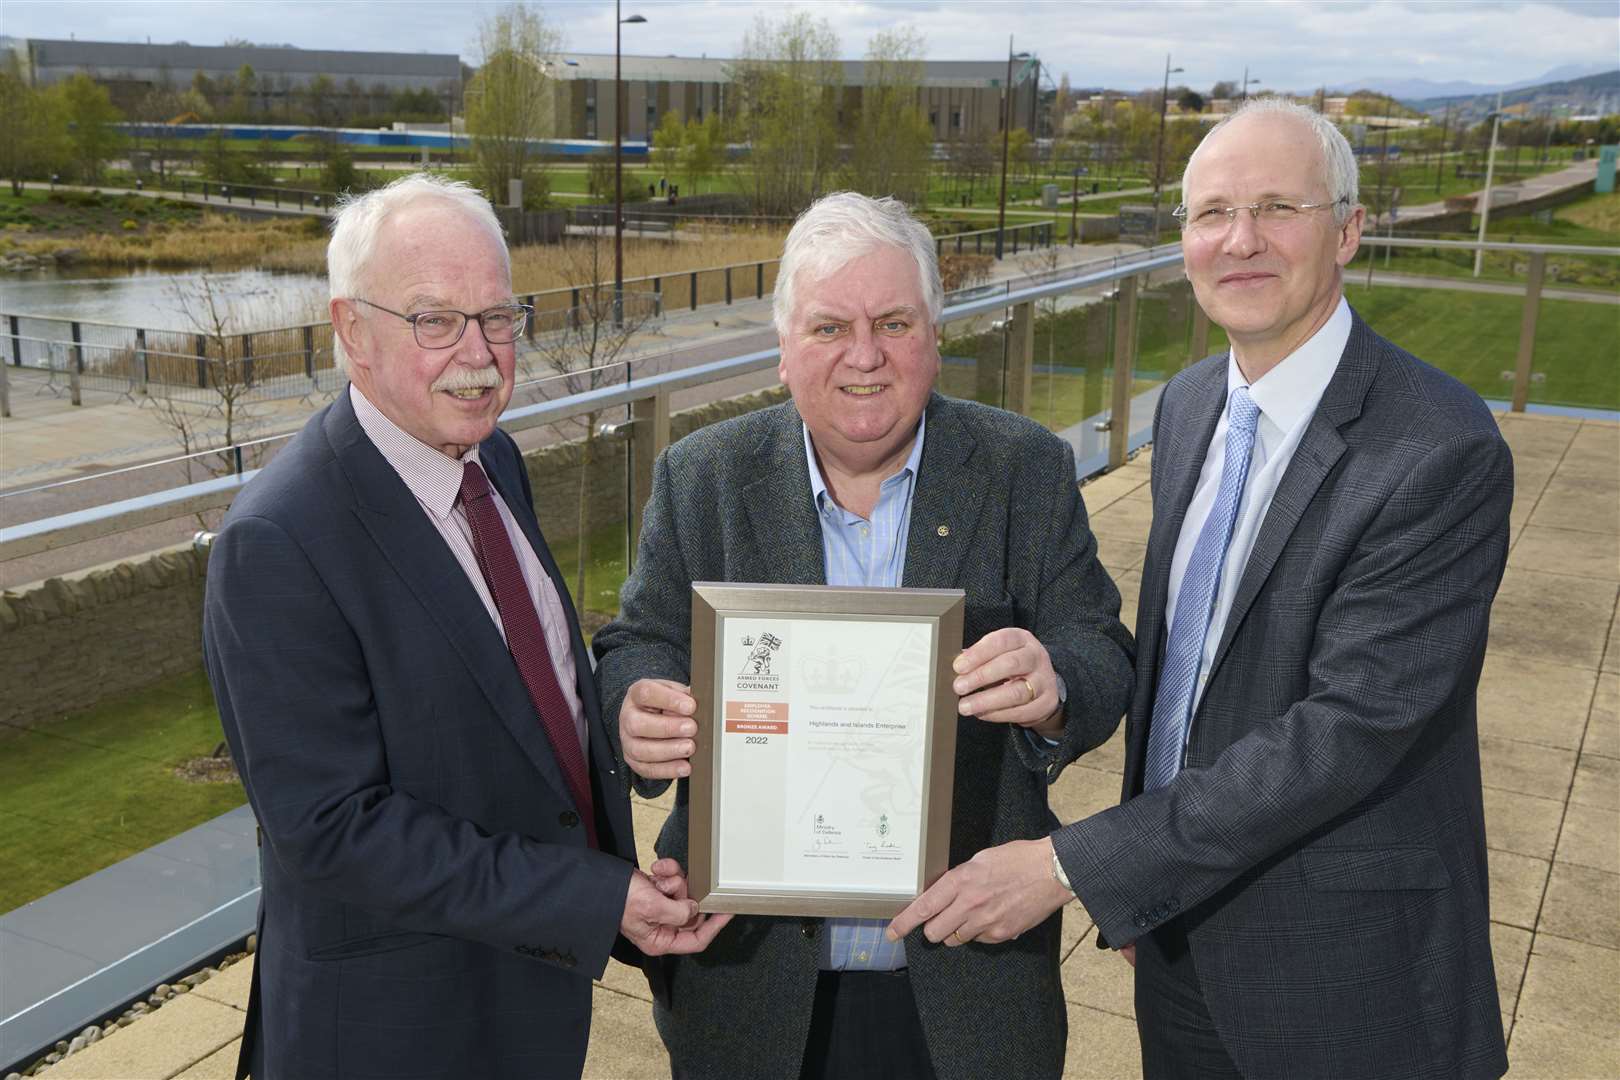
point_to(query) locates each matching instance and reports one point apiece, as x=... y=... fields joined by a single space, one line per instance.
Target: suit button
x=1140 y=920
x=568 y=819
x=808 y=927
x=1175 y=903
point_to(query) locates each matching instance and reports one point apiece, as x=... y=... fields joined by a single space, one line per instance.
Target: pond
x=251 y=299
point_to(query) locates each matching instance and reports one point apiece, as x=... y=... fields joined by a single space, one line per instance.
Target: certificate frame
x=714 y=606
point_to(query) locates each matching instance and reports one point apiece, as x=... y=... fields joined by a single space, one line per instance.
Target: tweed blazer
x=733 y=503
x=1326 y=841
x=430 y=907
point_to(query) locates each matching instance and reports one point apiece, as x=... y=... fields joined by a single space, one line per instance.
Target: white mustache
x=468 y=379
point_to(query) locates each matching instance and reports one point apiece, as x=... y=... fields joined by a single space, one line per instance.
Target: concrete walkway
x=1549 y=740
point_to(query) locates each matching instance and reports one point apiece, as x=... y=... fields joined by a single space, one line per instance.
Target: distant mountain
x=1413 y=91
x=1590 y=93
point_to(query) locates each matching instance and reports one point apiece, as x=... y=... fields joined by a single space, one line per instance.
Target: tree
x=32 y=139
x=970 y=160
x=227 y=377
x=583 y=346
x=90 y=117
x=320 y=101
x=157 y=110
x=703 y=152
x=893 y=142
x=1223 y=90
x=787 y=81
x=509 y=103
x=668 y=143
x=1190 y=101
x=244 y=91
x=1062 y=106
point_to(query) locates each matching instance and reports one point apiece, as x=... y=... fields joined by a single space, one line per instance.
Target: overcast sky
x=1288 y=44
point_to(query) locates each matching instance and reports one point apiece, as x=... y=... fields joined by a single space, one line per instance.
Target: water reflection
x=258 y=299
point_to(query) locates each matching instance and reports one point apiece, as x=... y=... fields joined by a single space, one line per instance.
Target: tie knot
x=474 y=484
x=1242 y=413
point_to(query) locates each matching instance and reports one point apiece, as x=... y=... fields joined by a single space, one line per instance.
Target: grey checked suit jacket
x=1326 y=842
x=732 y=503
x=430 y=906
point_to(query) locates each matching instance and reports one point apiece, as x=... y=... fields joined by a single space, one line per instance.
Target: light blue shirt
x=870 y=552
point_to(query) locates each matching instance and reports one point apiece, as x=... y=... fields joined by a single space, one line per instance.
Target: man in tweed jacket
x=869 y=468
x=1298 y=870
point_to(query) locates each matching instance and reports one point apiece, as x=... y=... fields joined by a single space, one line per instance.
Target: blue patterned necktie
x=1195 y=603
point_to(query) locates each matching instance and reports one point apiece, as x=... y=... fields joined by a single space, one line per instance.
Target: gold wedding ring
x=954 y=936
x=1030 y=689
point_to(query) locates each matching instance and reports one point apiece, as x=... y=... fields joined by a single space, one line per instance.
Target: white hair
x=359 y=220
x=847 y=225
x=1340 y=172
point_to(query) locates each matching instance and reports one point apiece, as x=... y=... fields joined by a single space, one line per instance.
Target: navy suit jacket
x=1325 y=844
x=430 y=907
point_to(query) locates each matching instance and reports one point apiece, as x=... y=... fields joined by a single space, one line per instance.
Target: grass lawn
x=1475 y=336
x=1593 y=221
x=99 y=786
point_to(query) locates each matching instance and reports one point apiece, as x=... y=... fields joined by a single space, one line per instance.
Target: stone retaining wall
x=69 y=643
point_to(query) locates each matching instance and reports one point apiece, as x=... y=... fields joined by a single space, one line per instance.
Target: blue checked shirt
x=869 y=552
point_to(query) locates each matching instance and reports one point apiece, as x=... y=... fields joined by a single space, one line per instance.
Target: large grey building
x=962 y=98
x=128 y=70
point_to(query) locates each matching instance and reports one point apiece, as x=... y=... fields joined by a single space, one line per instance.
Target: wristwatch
x=1057 y=872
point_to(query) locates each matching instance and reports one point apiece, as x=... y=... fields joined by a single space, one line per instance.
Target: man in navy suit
x=1298 y=868
x=447 y=851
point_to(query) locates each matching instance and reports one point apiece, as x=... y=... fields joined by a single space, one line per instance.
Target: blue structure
x=410 y=140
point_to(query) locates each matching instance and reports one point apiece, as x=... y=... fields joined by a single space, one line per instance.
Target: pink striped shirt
x=435 y=480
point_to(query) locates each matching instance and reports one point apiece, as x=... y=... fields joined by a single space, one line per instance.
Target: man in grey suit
x=448 y=857
x=1298 y=868
x=870 y=478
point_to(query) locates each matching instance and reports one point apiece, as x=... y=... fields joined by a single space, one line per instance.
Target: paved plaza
x=1549 y=740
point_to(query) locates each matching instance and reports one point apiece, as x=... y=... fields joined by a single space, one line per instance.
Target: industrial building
x=129 y=70
x=961 y=98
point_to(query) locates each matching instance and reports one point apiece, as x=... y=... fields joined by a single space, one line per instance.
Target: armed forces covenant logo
x=756 y=673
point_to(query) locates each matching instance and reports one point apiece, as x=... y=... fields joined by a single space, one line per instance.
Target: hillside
x=1593 y=93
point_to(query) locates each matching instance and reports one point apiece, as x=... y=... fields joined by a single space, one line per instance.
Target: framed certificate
x=826 y=746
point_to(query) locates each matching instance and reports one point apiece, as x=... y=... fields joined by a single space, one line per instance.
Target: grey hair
x=1342 y=175
x=844 y=226
x=359 y=220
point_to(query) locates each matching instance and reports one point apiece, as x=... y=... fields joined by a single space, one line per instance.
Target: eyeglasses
x=1271 y=212
x=501 y=324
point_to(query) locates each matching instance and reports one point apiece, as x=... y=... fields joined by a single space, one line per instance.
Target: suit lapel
x=392 y=517
x=945 y=502
x=785 y=535
x=1318 y=452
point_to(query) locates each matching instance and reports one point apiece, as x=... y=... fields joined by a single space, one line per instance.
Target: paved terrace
x=1549 y=739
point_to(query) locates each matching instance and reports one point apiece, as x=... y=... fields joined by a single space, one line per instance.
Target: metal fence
x=1084 y=351
x=30 y=339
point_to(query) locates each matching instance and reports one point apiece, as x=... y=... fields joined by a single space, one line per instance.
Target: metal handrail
x=92 y=523
x=33 y=537
x=1489 y=245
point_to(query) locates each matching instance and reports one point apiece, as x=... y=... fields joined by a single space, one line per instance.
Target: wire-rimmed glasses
x=1269 y=212
x=501 y=324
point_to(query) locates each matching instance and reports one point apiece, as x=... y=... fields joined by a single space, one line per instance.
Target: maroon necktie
x=524 y=636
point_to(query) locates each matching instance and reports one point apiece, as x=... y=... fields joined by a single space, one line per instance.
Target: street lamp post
x=618 y=166
x=1158 y=169
x=1006 y=136
x=1490 y=171
x=1248 y=82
